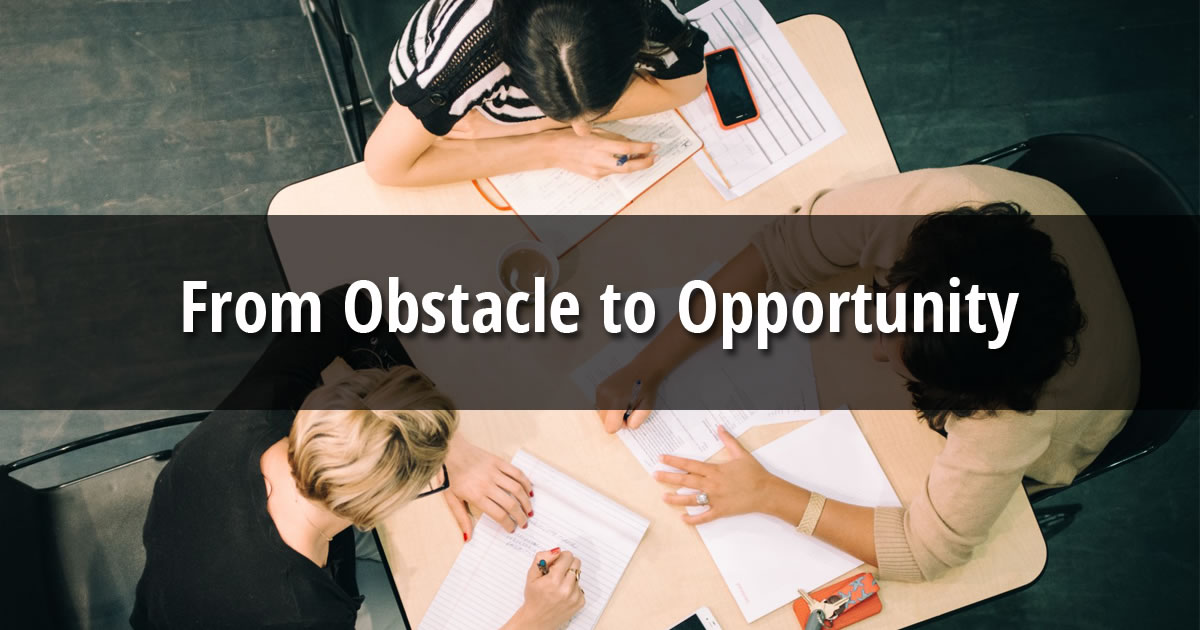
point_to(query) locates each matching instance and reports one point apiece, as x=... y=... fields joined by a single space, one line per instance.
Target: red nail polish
x=531 y=514
x=465 y=537
x=531 y=493
x=555 y=550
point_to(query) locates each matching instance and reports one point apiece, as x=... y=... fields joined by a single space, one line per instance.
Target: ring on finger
x=702 y=498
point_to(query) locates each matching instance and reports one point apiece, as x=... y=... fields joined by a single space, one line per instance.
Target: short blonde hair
x=371 y=442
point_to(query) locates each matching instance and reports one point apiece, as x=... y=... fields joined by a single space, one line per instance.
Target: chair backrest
x=1155 y=257
x=375 y=27
x=23 y=595
x=93 y=544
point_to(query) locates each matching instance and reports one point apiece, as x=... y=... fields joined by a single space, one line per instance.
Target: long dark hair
x=996 y=247
x=573 y=58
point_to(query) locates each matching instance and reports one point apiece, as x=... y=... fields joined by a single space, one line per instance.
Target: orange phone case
x=712 y=100
x=863 y=609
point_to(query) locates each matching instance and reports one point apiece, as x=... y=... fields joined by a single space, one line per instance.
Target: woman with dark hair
x=487 y=87
x=1036 y=411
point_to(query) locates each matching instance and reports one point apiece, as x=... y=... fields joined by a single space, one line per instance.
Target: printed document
x=795 y=119
x=688 y=428
x=486 y=585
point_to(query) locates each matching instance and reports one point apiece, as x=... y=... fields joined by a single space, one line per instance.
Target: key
x=812 y=603
x=816 y=611
x=831 y=607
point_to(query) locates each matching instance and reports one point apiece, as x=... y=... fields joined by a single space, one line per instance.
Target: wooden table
x=671 y=574
x=862 y=153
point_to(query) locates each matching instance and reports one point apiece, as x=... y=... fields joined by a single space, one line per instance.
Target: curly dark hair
x=996 y=247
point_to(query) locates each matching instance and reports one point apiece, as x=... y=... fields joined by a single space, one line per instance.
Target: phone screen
x=729 y=90
x=691 y=623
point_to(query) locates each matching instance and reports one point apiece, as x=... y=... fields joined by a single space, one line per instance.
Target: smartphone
x=702 y=619
x=728 y=88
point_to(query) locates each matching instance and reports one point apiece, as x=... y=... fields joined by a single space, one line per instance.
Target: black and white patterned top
x=447 y=62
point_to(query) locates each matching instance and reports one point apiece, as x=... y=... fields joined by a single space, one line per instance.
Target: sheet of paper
x=486 y=585
x=557 y=192
x=763 y=559
x=688 y=428
x=795 y=119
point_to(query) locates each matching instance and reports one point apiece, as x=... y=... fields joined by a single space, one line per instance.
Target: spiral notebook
x=540 y=197
x=486 y=585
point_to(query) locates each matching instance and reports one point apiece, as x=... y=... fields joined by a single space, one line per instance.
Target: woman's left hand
x=737 y=486
x=494 y=486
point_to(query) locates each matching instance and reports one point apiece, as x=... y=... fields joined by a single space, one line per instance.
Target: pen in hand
x=637 y=390
x=543 y=568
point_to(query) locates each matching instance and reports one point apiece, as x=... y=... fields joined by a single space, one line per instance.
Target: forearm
x=850 y=528
x=645 y=97
x=745 y=273
x=446 y=161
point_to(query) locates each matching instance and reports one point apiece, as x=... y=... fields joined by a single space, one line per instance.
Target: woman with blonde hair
x=250 y=522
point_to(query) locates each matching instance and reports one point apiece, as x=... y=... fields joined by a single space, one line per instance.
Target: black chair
x=1158 y=269
x=75 y=549
x=363 y=34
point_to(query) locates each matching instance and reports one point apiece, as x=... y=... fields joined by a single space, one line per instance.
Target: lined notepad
x=486 y=585
x=557 y=192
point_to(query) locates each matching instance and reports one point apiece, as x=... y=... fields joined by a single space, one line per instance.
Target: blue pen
x=637 y=389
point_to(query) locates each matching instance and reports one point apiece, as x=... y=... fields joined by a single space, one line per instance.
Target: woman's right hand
x=596 y=154
x=614 y=397
x=551 y=599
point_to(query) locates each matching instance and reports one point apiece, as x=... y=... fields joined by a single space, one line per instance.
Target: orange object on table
x=864 y=600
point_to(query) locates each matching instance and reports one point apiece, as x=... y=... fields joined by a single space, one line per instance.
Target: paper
x=795 y=119
x=763 y=559
x=557 y=192
x=688 y=428
x=486 y=585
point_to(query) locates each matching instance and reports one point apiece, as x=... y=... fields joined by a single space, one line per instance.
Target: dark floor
x=211 y=106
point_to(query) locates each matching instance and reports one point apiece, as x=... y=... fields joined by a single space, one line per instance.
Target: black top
x=214 y=558
x=447 y=61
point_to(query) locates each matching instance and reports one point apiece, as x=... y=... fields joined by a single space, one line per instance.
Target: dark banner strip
x=93 y=310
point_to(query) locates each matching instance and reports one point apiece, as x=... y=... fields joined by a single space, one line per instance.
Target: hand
x=613 y=398
x=596 y=154
x=738 y=486
x=551 y=599
x=476 y=126
x=494 y=486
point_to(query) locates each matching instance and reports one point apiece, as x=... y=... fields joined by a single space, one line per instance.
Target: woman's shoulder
x=440 y=32
x=1002 y=440
x=447 y=61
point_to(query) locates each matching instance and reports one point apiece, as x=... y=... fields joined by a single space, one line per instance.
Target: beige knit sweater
x=985 y=458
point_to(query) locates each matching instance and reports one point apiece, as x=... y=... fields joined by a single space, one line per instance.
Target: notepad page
x=558 y=192
x=684 y=424
x=486 y=585
x=795 y=119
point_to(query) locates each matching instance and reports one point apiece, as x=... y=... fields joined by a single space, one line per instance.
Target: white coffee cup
x=521 y=262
